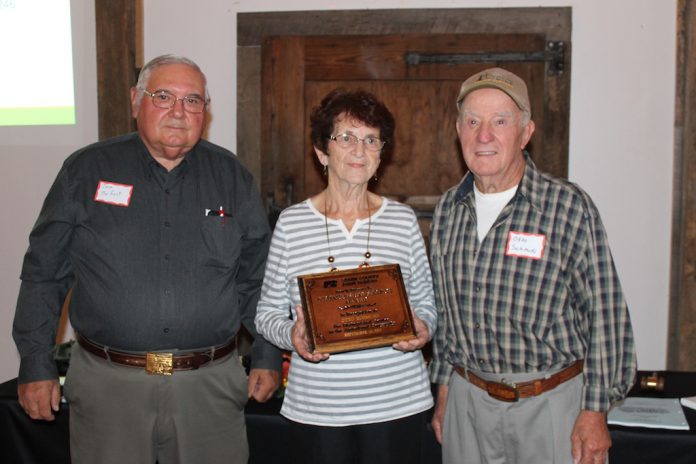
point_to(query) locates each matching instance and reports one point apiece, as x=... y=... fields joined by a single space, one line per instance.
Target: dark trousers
x=398 y=441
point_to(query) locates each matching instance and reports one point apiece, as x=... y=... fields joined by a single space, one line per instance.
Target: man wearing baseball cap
x=535 y=343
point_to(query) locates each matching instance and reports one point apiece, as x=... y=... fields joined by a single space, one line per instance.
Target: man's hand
x=300 y=341
x=422 y=335
x=40 y=399
x=590 y=438
x=439 y=413
x=263 y=383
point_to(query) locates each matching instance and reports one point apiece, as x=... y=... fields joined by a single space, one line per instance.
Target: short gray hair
x=162 y=60
x=526 y=117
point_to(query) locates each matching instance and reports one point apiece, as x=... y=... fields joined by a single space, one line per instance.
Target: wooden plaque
x=356 y=309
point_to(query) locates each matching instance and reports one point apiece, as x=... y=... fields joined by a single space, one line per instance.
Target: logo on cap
x=497 y=78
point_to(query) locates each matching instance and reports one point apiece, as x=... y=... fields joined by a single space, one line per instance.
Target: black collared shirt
x=157 y=260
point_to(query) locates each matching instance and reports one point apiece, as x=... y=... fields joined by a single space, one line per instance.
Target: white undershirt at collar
x=488 y=208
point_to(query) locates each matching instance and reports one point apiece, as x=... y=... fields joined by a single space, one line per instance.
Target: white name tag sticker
x=524 y=245
x=113 y=193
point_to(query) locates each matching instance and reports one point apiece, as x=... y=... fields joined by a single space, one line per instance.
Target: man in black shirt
x=163 y=239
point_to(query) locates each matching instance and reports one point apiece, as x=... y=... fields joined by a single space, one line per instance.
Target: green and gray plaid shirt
x=536 y=310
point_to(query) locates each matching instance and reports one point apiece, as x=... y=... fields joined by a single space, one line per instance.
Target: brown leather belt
x=158 y=363
x=511 y=392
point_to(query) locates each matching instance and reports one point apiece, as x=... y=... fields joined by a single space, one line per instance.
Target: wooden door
x=297 y=71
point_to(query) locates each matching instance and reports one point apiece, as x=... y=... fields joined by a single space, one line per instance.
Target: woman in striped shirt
x=365 y=406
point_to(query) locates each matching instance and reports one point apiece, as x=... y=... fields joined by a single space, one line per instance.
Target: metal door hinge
x=553 y=55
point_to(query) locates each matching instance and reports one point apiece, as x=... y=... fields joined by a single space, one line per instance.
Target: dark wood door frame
x=116 y=32
x=253 y=28
x=682 y=322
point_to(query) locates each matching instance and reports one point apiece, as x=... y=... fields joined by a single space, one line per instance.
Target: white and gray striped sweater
x=359 y=387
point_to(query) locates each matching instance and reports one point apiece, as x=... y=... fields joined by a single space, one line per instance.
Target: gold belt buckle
x=159 y=364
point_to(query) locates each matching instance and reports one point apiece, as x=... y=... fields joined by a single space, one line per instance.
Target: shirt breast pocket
x=220 y=242
x=537 y=294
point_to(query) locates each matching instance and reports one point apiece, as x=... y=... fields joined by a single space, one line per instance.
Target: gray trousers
x=479 y=429
x=121 y=414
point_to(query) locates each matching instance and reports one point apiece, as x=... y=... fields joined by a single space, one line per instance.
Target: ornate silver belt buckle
x=159 y=364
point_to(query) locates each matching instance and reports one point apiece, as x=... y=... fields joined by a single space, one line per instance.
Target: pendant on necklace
x=368 y=255
x=330 y=259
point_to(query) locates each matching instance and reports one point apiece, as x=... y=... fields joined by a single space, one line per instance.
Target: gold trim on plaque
x=356 y=309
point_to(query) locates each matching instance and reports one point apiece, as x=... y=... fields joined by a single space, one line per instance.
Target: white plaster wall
x=621 y=131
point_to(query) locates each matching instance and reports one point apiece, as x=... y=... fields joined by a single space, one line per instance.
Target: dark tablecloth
x=25 y=441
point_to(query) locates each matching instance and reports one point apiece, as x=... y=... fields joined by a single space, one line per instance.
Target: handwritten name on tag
x=113 y=193
x=524 y=245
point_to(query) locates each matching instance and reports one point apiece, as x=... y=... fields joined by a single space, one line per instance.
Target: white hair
x=162 y=60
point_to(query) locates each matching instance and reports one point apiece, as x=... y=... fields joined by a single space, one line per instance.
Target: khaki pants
x=121 y=414
x=479 y=429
